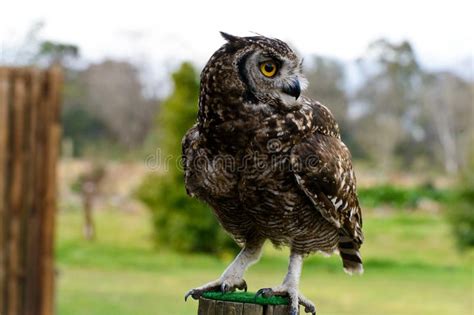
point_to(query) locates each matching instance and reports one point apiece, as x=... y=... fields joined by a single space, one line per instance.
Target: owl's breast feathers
x=309 y=137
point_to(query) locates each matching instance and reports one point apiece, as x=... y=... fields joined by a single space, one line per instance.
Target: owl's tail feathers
x=349 y=252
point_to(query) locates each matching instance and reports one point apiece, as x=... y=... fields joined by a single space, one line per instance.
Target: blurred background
x=398 y=76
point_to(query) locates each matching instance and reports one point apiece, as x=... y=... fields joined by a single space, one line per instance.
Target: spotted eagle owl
x=271 y=164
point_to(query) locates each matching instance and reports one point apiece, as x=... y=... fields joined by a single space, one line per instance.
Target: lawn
x=411 y=267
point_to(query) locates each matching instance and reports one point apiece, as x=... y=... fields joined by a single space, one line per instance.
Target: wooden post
x=4 y=127
x=32 y=210
x=14 y=271
x=53 y=138
x=29 y=148
x=215 y=307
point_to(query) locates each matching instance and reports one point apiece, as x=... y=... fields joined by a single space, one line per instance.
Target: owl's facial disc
x=275 y=77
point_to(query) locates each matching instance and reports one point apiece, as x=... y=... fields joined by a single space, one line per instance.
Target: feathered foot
x=290 y=287
x=295 y=297
x=232 y=278
x=221 y=285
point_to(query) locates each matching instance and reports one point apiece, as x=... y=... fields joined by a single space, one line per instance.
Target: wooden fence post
x=4 y=127
x=29 y=147
x=215 y=307
x=241 y=303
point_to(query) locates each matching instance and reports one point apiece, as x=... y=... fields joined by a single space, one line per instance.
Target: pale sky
x=171 y=31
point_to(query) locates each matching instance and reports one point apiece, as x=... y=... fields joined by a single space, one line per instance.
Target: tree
x=56 y=52
x=447 y=102
x=32 y=49
x=180 y=222
x=389 y=97
x=114 y=94
x=326 y=77
x=81 y=127
x=327 y=85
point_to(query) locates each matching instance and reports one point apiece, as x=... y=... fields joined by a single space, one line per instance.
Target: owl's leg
x=290 y=287
x=232 y=277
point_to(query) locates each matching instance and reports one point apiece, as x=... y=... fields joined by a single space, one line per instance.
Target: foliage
x=461 y=212
x=327 y=81
x=447 y=104
x=401 y=197
x=418 y=115
x=461 y=215
x=326 y=84
x=55 y=48
x=81 y=127
x=113 y=92
x=180 y=222
x=56 y=52
x=388 y=97
x=458 y=203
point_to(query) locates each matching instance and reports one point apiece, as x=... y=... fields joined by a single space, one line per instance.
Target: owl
x=271 y=164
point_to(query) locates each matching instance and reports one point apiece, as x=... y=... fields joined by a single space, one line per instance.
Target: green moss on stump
x=245 y=297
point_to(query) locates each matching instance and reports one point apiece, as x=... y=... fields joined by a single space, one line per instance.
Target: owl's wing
x=188 y=153
x=323 y=170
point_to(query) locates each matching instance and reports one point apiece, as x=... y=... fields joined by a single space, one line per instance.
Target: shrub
x=461 y=211
x=401 y=197
x=461 y=216
x=82 y=128
x=180 y=222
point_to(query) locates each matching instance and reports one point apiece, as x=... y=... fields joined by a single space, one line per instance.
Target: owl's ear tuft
x=228 y=37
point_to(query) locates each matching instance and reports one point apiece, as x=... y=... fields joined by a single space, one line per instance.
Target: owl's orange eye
x=268 y=68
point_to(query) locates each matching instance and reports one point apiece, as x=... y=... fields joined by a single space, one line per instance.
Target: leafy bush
x=458 y=203
x=401 y=197
x=461 y=215
x=82 y=128
x=180 y=222
x=461 y=211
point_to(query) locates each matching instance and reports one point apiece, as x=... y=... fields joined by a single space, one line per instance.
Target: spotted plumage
x=270 y=163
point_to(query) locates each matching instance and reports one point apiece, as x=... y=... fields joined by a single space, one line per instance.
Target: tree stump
x=241 y=303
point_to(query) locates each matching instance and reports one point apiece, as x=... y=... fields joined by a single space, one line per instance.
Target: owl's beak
x=294 y=89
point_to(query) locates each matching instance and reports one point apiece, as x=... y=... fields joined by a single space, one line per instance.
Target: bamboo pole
x=31 y=250
x=16 y=192
x=4 y=126
x=29 y=147
x=53 y=133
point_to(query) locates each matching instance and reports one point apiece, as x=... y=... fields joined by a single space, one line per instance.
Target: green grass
x=411 y=267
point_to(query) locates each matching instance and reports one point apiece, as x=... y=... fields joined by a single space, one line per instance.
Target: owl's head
x=268 y=68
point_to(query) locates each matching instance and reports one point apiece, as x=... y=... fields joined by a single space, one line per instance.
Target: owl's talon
x=308 y=305
x=265 y=292
x=225 y=288
x=195 y=294
x=309 y=309
x=242 y=286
